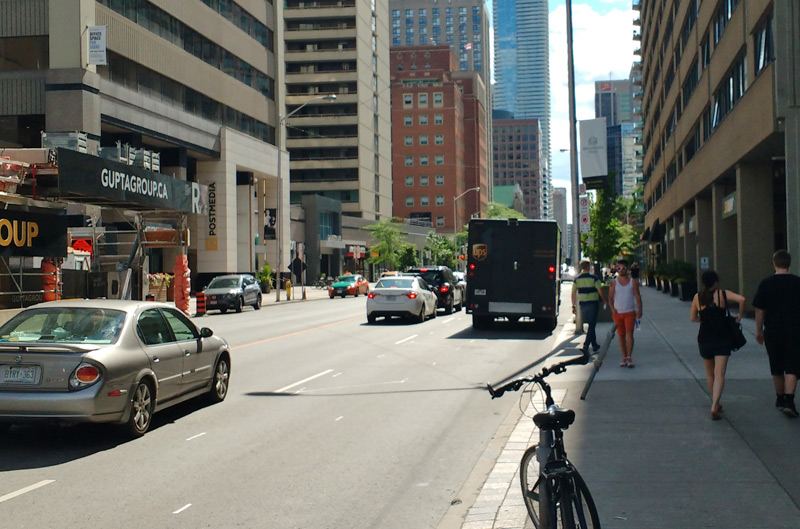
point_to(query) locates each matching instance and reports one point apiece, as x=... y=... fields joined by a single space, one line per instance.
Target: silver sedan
x=404 y=296
x=106 y=361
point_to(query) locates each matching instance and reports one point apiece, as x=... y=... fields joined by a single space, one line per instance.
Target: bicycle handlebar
x=517 y=383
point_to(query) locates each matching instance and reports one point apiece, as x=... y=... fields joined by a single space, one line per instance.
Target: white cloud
x=603 y=48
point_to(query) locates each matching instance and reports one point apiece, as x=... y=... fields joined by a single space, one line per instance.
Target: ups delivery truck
x=513 y=271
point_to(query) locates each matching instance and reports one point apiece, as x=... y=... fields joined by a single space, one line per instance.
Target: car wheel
x=219 y=385
x=142 y=406
x=448 y=309
x=371 y=318
x=421 y=315
x=433 y=312
x=239 y=304
x=257 y=304
x=223 y=311
x=343 y=295
x=355 y=294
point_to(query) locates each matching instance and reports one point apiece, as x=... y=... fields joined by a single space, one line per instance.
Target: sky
x=603 y=48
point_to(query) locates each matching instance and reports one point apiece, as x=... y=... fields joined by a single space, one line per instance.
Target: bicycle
x=554 y=492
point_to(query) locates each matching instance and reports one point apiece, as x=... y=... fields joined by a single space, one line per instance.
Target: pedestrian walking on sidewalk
x=586 y=290
x=626 y=308
x=777 y=304
x=709 y=307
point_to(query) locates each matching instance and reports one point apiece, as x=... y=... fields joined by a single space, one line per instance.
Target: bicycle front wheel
x=533 y=488
x=575 y=504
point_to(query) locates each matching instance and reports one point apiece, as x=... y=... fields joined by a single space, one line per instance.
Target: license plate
x=21 y=375
x=339 y=291
x=480 y=291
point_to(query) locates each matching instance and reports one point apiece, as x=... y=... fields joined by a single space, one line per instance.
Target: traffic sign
x=585 y=224
x=581 y=189
x=583 y=203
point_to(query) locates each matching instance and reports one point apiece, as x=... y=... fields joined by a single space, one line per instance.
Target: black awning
x=657 y=232
x=646 y=235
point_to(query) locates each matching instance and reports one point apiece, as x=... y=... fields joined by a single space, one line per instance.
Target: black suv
x=449 y=292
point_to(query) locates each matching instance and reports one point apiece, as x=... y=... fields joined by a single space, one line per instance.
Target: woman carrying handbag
x=709 y=307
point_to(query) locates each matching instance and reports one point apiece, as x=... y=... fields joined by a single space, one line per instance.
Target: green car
x=349 y=284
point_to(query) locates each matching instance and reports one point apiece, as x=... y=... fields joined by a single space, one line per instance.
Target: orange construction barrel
x=201 y=304
x=51 y=275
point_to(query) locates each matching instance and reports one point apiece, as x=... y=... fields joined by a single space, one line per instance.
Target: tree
x=391 y=243
x=409 y=257
x=442 y=250
x=499 y=211
x=606 y=227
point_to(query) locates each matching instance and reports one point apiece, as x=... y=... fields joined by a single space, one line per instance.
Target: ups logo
x=480 y=251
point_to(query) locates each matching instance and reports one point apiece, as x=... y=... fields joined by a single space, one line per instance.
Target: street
x=329 y=422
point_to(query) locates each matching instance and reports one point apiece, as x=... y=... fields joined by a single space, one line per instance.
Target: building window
x=409 y=181
x=439 y=179
x=423 y=139
x=423 y=180
x=422 y=100
x=409 y=141
x=409 y=41
x=439 y=221
x=438 y=119
x=423 y=159
x=440 y=200
x=408 y=120
x=409 y=160
x=439 y=159
x=423 y=119
x=409 y=202
x=438 y=139
x=705 y=52
x=438 y=99
x=729 y=91
x=395 y=41
x=395 y=13
x=764 y=45
x=721 y=17
x=424 y=201
x=408 y=100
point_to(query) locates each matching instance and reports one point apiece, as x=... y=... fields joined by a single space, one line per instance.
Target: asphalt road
x=330 y=423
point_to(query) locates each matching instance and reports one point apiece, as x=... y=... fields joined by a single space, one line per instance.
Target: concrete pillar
x=669 y=243
x=755 y=225
x=72 y=100
x=726 y=251
x=704 y=233
x=689 y=238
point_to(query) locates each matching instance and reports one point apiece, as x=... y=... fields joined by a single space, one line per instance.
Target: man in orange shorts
x=626 y=307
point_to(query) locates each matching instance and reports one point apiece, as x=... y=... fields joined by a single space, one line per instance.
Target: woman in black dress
x=708 y=307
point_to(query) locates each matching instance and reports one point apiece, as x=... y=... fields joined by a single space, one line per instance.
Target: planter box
x=687 y=290
x=674 y=288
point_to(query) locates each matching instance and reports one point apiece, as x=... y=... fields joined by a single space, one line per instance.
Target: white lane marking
x=182 y=508
x=406 y=339
x=195 y=436
x=339 y=418
x=380 y=356
x=20 y=492
x=290 y=386
x=446 y=321
x=336 y=375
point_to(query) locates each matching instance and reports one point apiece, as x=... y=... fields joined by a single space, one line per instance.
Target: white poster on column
x=97 y=45
x=593 y=150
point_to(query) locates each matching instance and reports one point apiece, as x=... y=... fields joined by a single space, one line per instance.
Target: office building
x=522 y=69
x=517 y=158
x=613 y=100
x=339 y=149
x=195 y=83
x=720 y=134
x=438 y=136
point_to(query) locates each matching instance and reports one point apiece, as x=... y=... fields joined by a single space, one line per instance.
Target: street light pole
x=278 y=186
x=455 y=215
x=573 y=162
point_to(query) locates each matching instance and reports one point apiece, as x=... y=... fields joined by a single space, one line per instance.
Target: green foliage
x=391 y=243
x=613 y=232
x=409 y=257
x=499 y=211
x=264 y=276
x=684 y=271
x=442 y=250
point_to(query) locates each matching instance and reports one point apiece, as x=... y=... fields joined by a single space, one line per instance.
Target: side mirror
x=205 y=332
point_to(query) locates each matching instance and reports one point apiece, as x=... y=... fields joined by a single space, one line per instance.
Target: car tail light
x=84 y=375
x=444 y=288
x=472 y=266
x=423 y=269
x=411 y=295
x=551 y=269
x=372 y=295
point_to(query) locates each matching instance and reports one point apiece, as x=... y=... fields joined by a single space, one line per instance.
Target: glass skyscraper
x=522 y=68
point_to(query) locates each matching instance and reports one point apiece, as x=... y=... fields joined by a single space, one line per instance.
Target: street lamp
x=455 y=215
x=278 y=180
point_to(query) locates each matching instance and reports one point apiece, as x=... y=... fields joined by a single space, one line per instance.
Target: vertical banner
x=593 y=150
x=97 y=45
x=269 y=224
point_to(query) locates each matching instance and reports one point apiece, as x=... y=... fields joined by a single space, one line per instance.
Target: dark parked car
x=449 y=291
x=232 y=292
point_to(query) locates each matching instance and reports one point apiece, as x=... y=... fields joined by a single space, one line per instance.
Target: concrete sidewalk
x=646 y=445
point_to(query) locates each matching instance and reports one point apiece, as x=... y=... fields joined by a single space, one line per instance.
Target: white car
x=404 y=296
